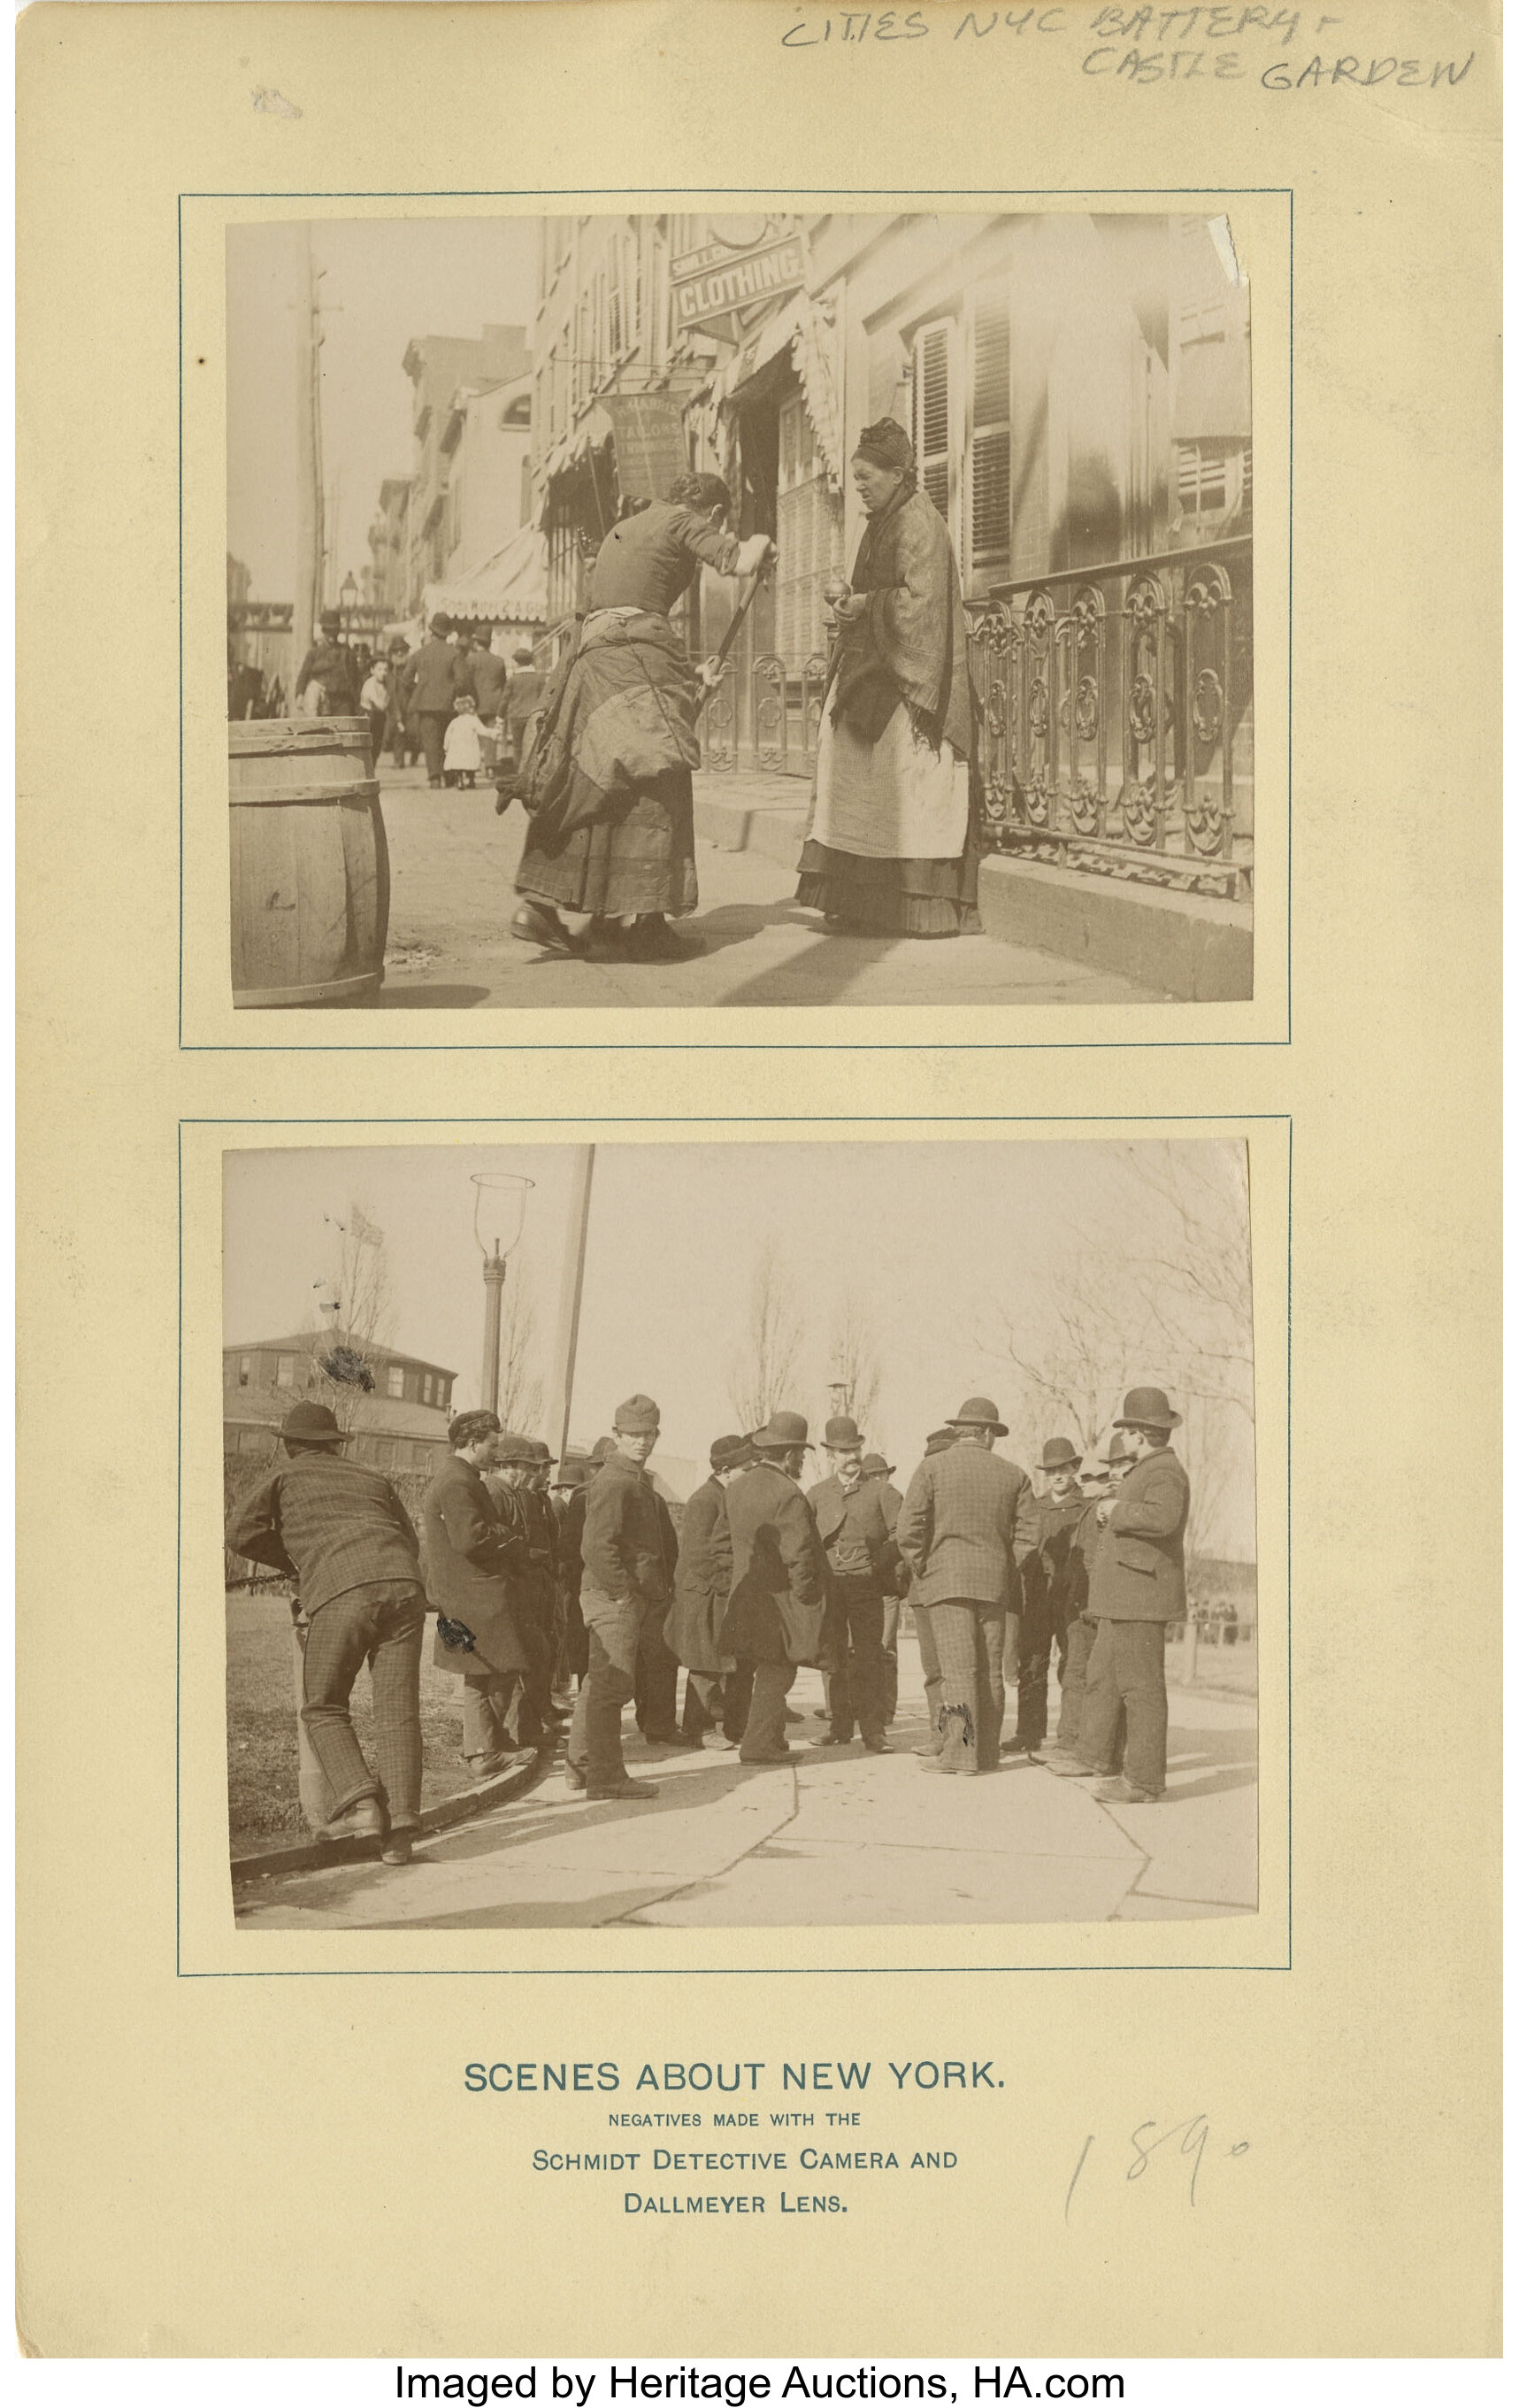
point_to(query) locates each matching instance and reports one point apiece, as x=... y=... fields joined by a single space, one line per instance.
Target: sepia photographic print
x=771 y=609
x=700 y=1536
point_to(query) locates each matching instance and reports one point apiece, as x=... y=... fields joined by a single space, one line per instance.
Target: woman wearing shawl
x=607 y=780
x=891 y=844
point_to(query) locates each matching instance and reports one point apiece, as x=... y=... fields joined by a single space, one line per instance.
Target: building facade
x=401 y=1424
x=445 y=371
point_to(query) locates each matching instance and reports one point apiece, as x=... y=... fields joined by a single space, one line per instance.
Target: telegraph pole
x=309 y=541
x=567 y=1332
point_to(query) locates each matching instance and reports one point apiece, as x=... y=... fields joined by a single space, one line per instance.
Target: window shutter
x=990 y=500
x=932 y=415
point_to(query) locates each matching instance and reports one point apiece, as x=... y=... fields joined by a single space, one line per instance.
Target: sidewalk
x=452 y=864
x=834 y=1837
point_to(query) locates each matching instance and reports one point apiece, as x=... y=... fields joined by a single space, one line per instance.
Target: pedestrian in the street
x=1100 y=1478
x=328 y=684
x=374 y=701
x=876 y=1469
x=468 y=1557
x=608 y=787
x=529 y=1715
x=524 y=696
x=892 y=842
x=624 y=1596
x=341 y=1532
x=966 y=1526
x=928 y=1653
x=484 y=672
x=462 y=745
x=775 y=1619
x=862 y=1565
x=1038 y=1629
x=572 y=1657
x=717 y=1696
x=402 y=734
x=1138 y=1584
x=433 y=690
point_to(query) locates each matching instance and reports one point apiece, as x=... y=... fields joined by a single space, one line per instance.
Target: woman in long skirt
x=891 y=847
x=607 y=783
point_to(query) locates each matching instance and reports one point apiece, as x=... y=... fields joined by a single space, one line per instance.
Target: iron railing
x=1116 y=720
x=763 y=715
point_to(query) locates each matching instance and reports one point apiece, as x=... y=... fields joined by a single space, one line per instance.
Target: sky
x=386 y=281
x=935 y=1239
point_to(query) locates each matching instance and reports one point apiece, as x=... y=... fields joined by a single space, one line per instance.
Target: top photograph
x=657 y=611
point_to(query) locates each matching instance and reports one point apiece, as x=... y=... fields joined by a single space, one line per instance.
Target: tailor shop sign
x=711 y=282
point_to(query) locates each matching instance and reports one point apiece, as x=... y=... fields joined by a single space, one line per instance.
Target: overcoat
x=466 y=1556
x=969 y=1520
x=627 y=1548
x=780 y=1572
x=1139 y=1565
x=484 y=674
x=1055 y=1574
x=829 y=1501
x=910 y=644
x=704 y=1578
x=332 y=1524
x=433 y=683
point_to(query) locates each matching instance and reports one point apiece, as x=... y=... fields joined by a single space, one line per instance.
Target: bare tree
x=763 y=1370
x=853 y=1360
x=520 y=1395
x=353 y=1310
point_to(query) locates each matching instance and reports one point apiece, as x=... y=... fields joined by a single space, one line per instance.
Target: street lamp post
x=502 y=1196
x=347 y=596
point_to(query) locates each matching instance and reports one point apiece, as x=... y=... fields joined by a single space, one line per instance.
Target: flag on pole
x=362 y=1229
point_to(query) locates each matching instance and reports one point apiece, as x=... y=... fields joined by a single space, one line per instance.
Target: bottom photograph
x=799 y=1534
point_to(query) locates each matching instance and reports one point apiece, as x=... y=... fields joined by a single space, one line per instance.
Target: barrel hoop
x=296 y=735
x=333 y=993
x=363 y=789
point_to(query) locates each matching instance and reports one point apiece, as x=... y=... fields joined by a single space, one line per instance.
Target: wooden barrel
x=310 y=869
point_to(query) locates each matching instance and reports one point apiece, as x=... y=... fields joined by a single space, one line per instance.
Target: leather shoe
x=624 y=1790
x=878 y=1747
x=718 y=1741
x=832 y=1739
x=536 y=927
x=1068 y=1768
x=1123 y=1793
x=397 y=1849
x=364 y=1820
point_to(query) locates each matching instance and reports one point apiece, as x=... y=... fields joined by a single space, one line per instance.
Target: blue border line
x=719 y=1045
x=702 y=1972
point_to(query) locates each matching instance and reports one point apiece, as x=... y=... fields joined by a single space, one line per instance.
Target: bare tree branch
x=762 y=1371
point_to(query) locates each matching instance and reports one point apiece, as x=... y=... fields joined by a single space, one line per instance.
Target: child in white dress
x=461 y=743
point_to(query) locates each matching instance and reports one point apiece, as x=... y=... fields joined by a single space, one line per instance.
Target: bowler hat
x=1147 y=1409
x=782 y=1432
x=979 y=1412
x=1117 y=1452
x=725 y=1454
x=398 y=647
x=875 y=1467
x=602 y=1448
x=937 y=1441
x=637 y=1417
x=842 y=1434
x=542 y=1451
x=314 y=1423
x=1057 y=1452
x=440 y=623
x=512 y=1447
x=523 y=652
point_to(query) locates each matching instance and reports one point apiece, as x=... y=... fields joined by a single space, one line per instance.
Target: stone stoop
x=1198 y=948
x=738 y=817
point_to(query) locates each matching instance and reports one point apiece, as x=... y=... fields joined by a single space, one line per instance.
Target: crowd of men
x=562 y=1600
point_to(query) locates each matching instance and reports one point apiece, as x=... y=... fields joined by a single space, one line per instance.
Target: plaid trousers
x=968 y=1637
x=386 y=1631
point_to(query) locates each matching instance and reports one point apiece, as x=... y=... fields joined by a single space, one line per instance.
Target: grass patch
x=263 y=1794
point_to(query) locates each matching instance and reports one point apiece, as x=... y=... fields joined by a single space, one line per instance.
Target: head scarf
x=888 y=445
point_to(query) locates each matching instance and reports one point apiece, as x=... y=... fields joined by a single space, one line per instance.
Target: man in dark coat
x=1099 y=1479
x=967 y=1525
x=485 y=673
x=469 y=1560
x=525 y=690
x=775 y=1617
x=576 y=1472
x=624 y=1595
x=717 y=1696
x=341 y=1532
x=402 y=734
x=1038 y=1628
x=877 y=1471
x=328 y=685
x=928 y=1653
x=512 y=1468
x=1137 y=1583
x=434 y=685
x=862 y=1561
